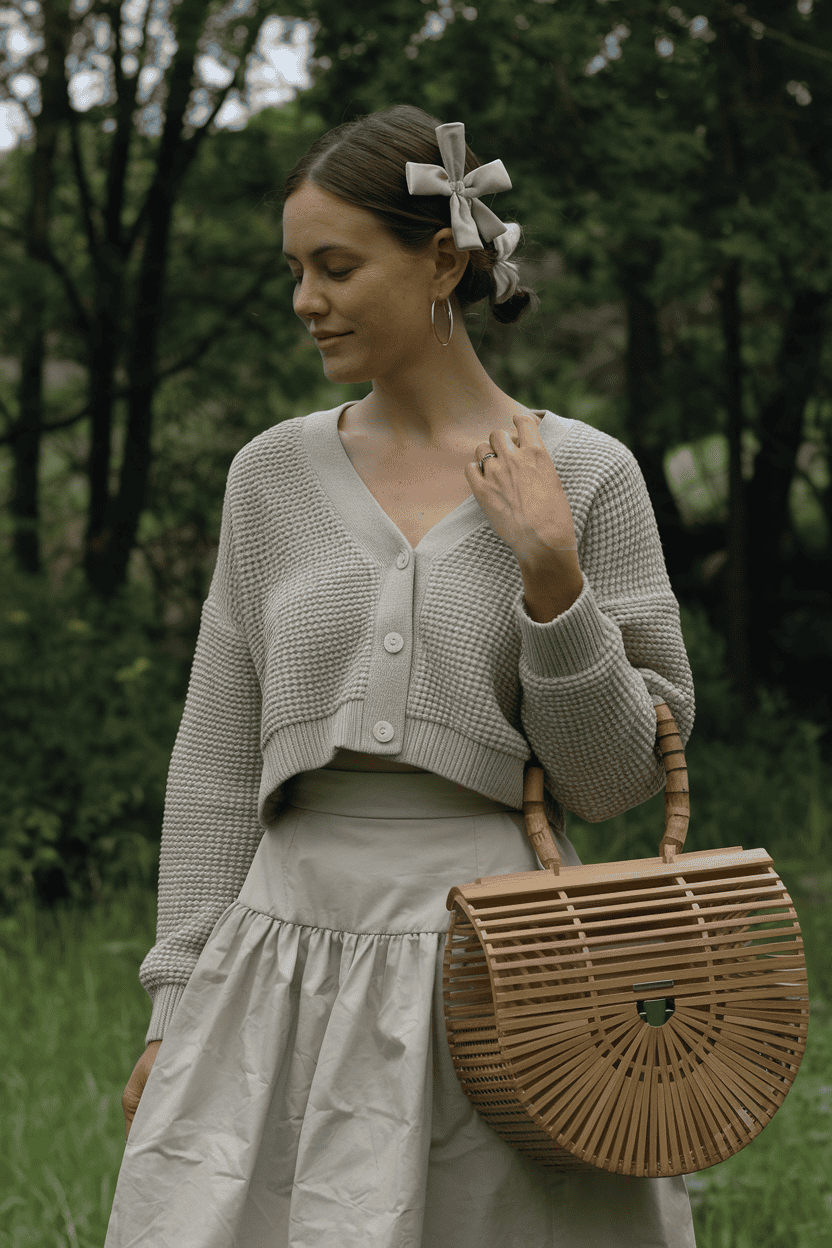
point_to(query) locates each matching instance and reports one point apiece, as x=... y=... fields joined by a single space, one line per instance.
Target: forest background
x=672 y=173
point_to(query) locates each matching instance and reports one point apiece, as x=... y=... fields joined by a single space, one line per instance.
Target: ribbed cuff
x=165 y=1000
x=572 y=642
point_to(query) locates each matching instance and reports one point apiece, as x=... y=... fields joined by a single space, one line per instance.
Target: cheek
x=401 y=311
x=383 y=314
x=387 y=306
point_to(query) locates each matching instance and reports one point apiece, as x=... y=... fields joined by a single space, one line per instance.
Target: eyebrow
x=319 y=251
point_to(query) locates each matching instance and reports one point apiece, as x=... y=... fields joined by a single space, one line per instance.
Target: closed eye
x=331 y=273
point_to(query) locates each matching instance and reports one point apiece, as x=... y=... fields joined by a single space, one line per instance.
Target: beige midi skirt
x=304 y=1094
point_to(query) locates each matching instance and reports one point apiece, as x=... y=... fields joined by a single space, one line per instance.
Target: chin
x=345 y=374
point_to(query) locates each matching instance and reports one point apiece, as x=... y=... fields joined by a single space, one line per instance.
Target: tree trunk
x=109 y=557
x=26 y=434
x=109 y=551
x=643 y=361
x=110 y=254
x=135 y=468
x=781 y=433
x=103 y=358
x=736 y=578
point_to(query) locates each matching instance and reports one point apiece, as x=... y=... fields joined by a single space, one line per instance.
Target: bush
x=91 y=705
x=92 y=700
x=758 y=781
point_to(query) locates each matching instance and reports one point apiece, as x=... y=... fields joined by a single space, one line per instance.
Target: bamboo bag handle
x=676 y=798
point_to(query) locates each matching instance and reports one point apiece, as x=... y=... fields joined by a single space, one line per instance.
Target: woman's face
x=355 y=280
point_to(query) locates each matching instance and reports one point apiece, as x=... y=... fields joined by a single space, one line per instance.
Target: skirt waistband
x=388 y=795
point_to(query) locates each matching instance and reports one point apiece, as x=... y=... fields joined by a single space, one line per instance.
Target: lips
x=324 y=341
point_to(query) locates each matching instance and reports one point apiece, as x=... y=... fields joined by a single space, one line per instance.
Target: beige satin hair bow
x=471 y=220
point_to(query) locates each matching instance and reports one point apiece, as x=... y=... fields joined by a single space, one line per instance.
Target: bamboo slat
x=644 y=1017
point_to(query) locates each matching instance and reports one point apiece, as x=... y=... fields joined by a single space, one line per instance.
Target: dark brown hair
x=363 y=162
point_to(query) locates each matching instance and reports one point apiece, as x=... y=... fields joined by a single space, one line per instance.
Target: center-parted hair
x=363 y=162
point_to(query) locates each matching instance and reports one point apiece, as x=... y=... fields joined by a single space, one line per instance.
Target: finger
x=525 y=423
x=499 y=440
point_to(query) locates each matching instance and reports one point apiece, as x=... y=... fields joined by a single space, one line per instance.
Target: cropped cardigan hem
x=324 y=629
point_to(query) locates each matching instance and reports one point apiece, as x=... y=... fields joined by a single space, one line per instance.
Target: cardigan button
x=402 y=559
x=393 y=642
x=383 y=731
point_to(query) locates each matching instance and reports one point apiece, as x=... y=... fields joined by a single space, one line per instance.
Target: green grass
x=777 y=1192
x=73 y=1023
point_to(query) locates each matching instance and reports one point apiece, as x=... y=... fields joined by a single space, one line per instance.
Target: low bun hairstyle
x=363 y=162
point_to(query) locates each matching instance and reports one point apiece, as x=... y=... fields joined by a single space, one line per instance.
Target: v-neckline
x=361 y=511
x=465 y=503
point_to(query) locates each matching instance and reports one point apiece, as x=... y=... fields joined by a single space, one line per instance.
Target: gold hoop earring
x=433 y=322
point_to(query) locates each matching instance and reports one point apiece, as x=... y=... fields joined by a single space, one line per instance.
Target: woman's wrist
x=552 y=588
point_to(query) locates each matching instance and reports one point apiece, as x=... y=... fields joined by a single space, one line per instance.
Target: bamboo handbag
x=644 y=1017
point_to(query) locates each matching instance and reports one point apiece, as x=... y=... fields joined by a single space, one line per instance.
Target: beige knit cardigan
x=324 y=628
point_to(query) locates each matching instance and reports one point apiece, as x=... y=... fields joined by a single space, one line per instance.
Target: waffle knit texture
x=323 y=628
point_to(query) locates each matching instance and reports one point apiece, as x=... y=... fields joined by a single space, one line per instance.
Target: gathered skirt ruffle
x=304 y=1095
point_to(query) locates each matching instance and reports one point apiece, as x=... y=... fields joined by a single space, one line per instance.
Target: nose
x=308 y=300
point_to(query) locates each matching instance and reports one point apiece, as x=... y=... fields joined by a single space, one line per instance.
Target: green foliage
x=758 y=781
x=91 y=705
x=650 y=172
x=658 y=167
x=634 y=180
x=93 y=695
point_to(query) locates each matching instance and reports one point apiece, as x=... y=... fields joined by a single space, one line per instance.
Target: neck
x=441 y=400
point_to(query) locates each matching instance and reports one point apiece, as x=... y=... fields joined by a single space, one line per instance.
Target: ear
x=449 y=263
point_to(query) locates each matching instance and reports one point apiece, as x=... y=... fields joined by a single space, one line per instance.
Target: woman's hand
x=522 y=496
x=135 y=1084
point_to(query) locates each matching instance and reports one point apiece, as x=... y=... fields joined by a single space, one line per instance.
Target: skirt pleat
x=304 y=1095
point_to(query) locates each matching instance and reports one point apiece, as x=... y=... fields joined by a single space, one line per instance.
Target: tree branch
x=191 y=357
x=49 y=257
x=138 y=225
x=231 y=313
x=120 y=146
x=190 y=147
x=738 y=11
x=7 y=439
x=123 y=135
x=69 y=287
x=84 y=193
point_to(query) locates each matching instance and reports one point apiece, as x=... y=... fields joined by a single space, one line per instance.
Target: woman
x=409 y=598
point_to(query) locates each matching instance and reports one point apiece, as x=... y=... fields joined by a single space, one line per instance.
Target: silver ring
x=490 y=455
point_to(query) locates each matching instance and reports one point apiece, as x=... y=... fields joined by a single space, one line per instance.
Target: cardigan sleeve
x=210 y=828
x=592 y=676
